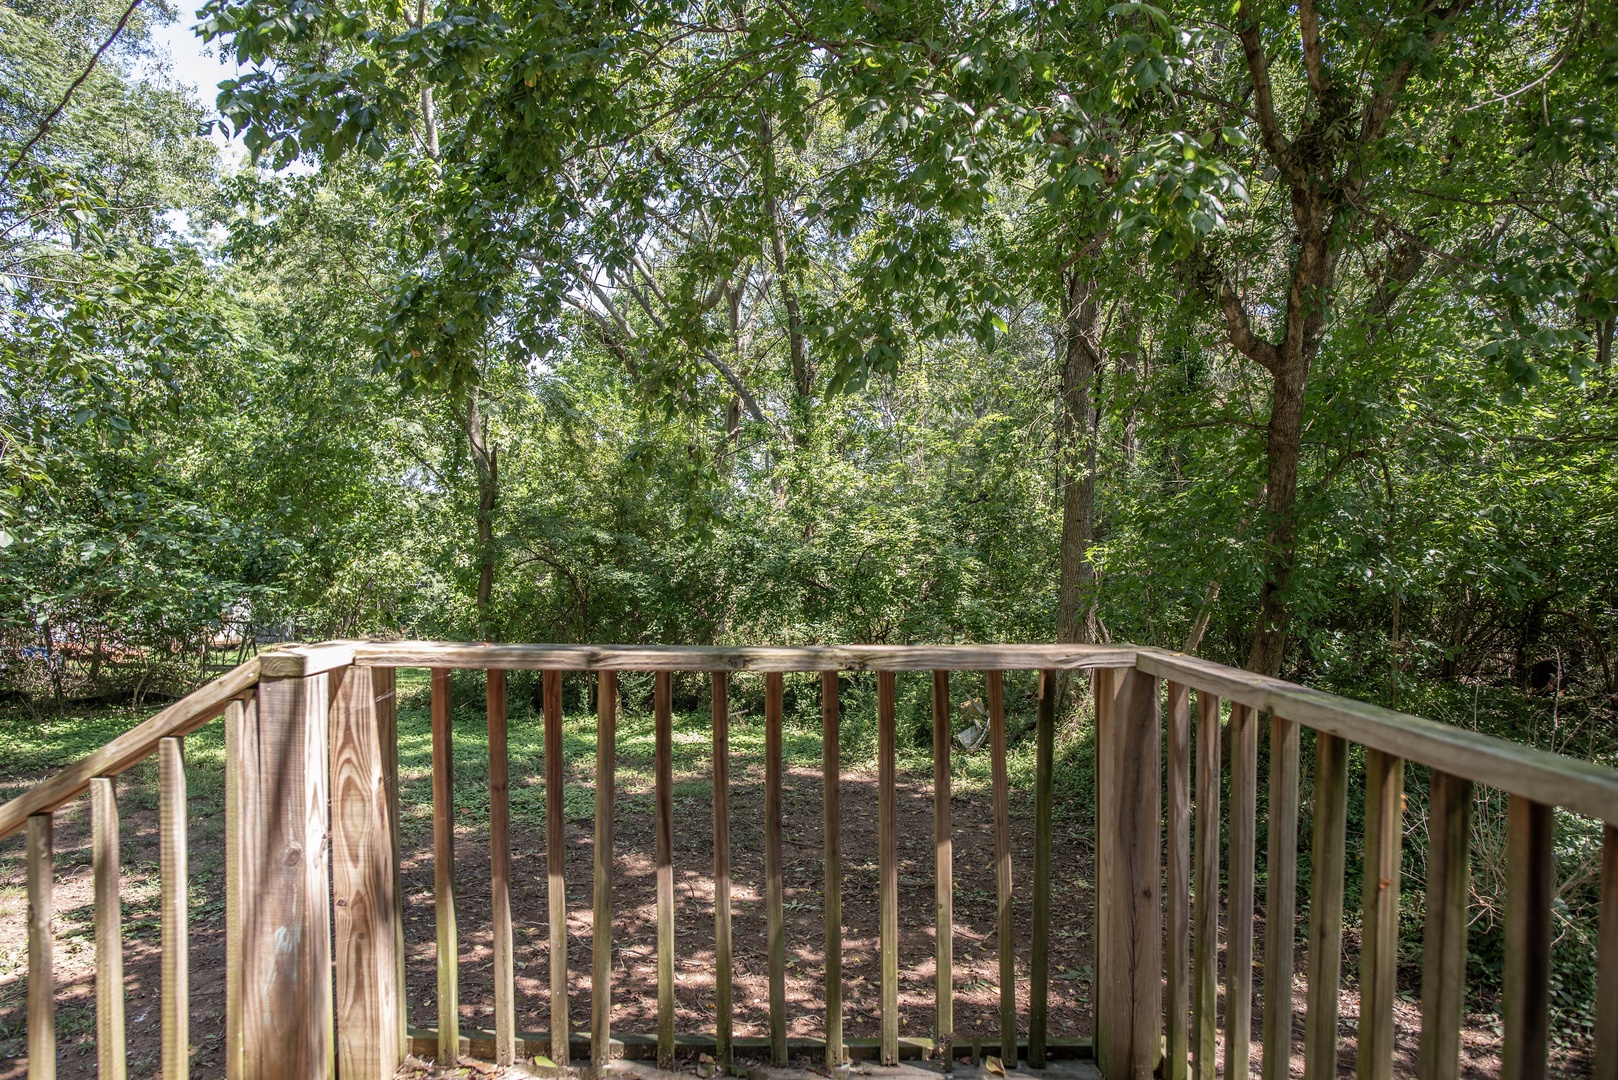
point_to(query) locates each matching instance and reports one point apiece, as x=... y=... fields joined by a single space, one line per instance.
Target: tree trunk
x=485 y=462
x=802 y=376
x=1076 y=466
x=1285 y=439
x=1308 y=300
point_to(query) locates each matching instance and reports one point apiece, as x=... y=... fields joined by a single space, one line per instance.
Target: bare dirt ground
x=634 y=964
x=634 y=927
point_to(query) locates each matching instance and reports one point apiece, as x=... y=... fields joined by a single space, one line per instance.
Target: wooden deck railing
x=314 y=924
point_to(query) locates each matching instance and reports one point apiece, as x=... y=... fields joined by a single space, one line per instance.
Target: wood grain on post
x=944 y=884
x=1443 y=953
x=663 y=767
x=1039 y=971
x=1379 y=895
x=995 y=688
x=1280 y=899
x=112 y=1062
x=1178 y=901
x=1205 y=934
x=449 y=949
x=1129 y=859
x=285 y=948
x=41 y=950
x=364 y=935
x=1327 y=861
x=888 y=862
x=1526 y=985
x=555 y=865
x=1239 y=921
x=384 y=691
x=601 y=930
x=505 y=974
x=831 y=772
x=1606 y=1025
x=774 y=916
x=175 y=933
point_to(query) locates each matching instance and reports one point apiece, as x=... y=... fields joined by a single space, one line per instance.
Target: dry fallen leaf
x=994 y=1065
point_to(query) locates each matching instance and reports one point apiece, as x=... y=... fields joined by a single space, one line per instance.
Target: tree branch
x=749 y=402
x=1379 y=110
x=45 y=125
x=1240 y=328
x=1258 y=71
x=1309 y=30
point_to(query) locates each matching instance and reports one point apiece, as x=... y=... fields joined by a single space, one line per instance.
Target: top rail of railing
x=134 y=745
x=1552 y=779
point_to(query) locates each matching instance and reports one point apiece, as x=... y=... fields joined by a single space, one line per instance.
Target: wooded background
x=1282 y=335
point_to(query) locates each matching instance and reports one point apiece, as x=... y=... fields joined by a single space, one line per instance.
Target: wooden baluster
x=234 y=720
x=1443 y=954
x=601 y=930
x=944 y=884
x=663 y=767
x=1129 y=862
x=831 y=771
x=1526 y=985
x=366 y=993
x=1239 y=923
x=1179 y=880
x=1002 y=868
x=555 y=854
x=175 y=875
x=775 y=920
x=724 y=1050
x=449 y=976
x=1044 y=780
x=41 y=951
x=1379 y=946
x=1280 y=899
x=384 y=688
x=112 y=1062
x=1101 y=693
x=1327 y=862
x=505 y=974
x=1606 y=1026
x=888 y=862
x=1205 y=942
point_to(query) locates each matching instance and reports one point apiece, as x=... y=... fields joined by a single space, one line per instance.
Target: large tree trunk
x=1076 y=447
x=1308 y=300
x=1285 y=436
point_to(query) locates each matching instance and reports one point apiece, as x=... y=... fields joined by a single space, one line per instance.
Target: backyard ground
x=33 y=748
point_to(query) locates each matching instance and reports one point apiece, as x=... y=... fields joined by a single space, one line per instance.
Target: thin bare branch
x=45 y=125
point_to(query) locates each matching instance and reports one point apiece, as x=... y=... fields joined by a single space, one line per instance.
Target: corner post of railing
x=365 y=872
x=1129 y=859
x=281 y=949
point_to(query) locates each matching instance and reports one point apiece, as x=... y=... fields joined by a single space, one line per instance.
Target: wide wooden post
x=1129 y=861
x=367 y=1000
x=283 y=950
